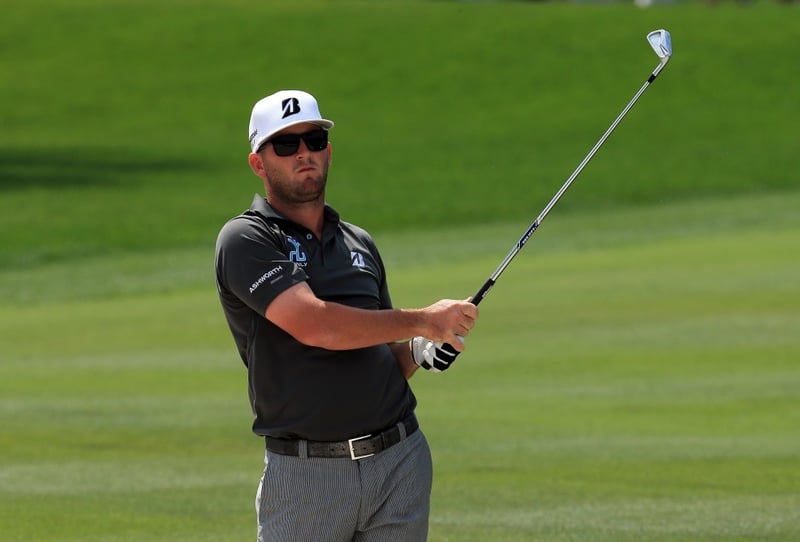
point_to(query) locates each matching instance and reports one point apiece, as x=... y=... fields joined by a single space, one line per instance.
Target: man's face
x=297 y=178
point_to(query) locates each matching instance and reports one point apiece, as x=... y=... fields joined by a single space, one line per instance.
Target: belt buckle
x=353 y=455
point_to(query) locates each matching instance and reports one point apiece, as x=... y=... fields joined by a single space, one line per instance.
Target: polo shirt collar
x=261 y=207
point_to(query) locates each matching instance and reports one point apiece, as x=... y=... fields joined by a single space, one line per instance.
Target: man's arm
x=402 y=352
x=334 y=326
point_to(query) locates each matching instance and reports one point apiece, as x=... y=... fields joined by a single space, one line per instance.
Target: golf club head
x=661 y=42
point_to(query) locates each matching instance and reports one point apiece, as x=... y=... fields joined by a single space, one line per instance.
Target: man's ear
x=257 y=165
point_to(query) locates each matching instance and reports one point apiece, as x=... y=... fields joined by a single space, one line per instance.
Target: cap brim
x=322 y=123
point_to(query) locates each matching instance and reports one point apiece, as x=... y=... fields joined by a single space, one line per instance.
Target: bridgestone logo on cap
x=291 y=106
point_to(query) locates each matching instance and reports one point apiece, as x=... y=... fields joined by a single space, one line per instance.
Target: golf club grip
x=481 y=293
x=476 y=299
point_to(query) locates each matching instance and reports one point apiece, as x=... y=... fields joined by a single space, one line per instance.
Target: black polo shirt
x=300 y=391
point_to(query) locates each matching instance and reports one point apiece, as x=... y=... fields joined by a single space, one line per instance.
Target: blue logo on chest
x=297 y=255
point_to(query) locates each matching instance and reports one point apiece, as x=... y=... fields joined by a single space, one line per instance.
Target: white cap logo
x=291 y=106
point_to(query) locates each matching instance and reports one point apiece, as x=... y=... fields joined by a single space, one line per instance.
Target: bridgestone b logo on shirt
x=266 y=276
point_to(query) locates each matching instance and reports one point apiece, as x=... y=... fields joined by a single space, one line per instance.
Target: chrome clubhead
x=661 y=42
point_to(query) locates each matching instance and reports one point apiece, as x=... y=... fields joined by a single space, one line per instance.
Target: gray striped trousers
x=382 y=498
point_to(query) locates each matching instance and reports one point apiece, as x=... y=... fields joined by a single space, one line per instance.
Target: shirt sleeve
x=385 y=298
x=253 y=264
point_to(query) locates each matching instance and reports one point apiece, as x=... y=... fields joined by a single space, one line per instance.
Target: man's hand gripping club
x=438 y=356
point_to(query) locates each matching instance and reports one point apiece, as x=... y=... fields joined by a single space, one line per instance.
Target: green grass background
x=633 y=375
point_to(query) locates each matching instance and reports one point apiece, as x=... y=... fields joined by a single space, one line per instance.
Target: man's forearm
x=334 y=326
x=340 y=327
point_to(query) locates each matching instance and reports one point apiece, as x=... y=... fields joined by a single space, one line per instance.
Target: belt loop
x=302 y=449
x=401 y=426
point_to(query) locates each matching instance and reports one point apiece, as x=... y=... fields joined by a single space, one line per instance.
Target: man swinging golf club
x=306 y=298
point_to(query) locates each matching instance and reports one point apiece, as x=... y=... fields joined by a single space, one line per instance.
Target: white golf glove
x=433 y=356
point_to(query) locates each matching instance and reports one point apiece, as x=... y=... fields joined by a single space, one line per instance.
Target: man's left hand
x=433 y=356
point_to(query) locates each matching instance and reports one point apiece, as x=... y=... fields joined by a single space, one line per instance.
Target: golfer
x=306 y=298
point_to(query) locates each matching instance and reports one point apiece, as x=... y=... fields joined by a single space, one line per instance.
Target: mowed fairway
x=633 y=376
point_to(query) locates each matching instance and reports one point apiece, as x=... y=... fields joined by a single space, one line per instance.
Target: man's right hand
x=448 y=321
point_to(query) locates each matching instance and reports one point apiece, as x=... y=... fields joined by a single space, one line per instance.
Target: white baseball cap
x=280 y=110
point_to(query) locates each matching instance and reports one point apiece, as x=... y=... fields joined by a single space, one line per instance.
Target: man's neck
x=310 y=215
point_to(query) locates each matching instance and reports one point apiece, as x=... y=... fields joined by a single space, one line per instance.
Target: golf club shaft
x=484 y=290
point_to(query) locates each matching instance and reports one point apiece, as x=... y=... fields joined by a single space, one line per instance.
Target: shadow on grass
x=52 y=168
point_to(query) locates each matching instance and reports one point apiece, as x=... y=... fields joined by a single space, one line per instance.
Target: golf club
x=661 y=43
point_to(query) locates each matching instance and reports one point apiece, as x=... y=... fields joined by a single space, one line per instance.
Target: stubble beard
x=298 y=190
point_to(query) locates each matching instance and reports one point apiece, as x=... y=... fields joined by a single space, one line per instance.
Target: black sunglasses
x=287 y=144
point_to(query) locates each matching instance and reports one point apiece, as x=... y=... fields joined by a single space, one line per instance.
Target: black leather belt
x=354 y=448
